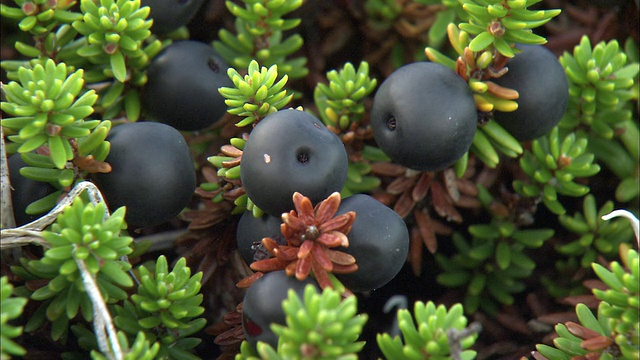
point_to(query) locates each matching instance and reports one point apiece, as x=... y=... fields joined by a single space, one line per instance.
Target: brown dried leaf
x=467 y=187
x=450 y=183
x=421 y=187
x=427 y=234
x=400 y=185
x=442 y=204
x=596 y=343
x=415 y=251
x=230 y=150
x=404 y=204
x=388 y=169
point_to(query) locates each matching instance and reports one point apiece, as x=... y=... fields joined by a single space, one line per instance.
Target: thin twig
x=102 y=317
x=635 y=223
x=7 y=220
x=456 y=336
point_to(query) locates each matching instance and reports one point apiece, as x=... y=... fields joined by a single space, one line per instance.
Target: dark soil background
x=336 y=32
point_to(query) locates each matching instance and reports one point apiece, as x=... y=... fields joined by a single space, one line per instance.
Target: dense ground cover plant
x=493 y=225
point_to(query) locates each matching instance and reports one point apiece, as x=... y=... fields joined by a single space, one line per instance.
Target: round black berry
x=24 y=191
x=251 y=231
x=169 y=15
x=424 y=116
x=289 y=151
x=182 y=86
x=542 y=83
x=378 y=240
x=262 y=305
x=152 y=172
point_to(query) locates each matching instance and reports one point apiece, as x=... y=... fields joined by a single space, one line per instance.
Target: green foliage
x=340 y=103
x=552 y=166
x=113 y=33
x=139 y=350
x=255 y=95
x=603 y=89
x=496 y=24
x=82 y=237
x=621 y=302
x=596 y=236
x=341 y=108
x=259 y=35
x=48 y=106
x=600 y=85
x=382 y=13
x=10 y=309
x=428 y=333
x=39 y=17
x=166 y=307
x=452 y=14
x=47 y=109
x=319 y=326
x=492 y=265
x=613 y=334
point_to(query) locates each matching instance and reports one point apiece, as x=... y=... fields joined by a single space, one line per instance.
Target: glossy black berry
x=262 y=305
x=378 y=240
x=251 y=231
x=289 y=151
x=182 y=86
x=169 y=15
x=424 y=116
x=152 y=172
x=542 y=83
x=24 y=191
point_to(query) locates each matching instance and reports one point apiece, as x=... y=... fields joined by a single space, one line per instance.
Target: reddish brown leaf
x=303 y=267
x=305 y=249
x=332 y=239
x=581 y=331
x=339 y=257
x=341 y=223
x=596 y=343
x=321 y=275
x=246 y=282
x=326 y=209
x=344 y=269
x=304 y=208
x=271 y=264
x=321 y=258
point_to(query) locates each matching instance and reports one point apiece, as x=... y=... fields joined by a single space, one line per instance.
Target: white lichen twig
x=7 y=219
x=635 y=223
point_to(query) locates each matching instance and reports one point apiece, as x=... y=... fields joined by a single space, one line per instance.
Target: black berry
x=169 y=15
x=182 y=86
x=379 y=240
x=424 y=116
x=290 y=151
x=542 y=83
x=152 y=172
x=262 y=305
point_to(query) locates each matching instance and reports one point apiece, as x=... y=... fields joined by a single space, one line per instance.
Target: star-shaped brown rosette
x=310 y=233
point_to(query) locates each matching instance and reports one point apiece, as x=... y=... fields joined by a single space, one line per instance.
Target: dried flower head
x=310 y=233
